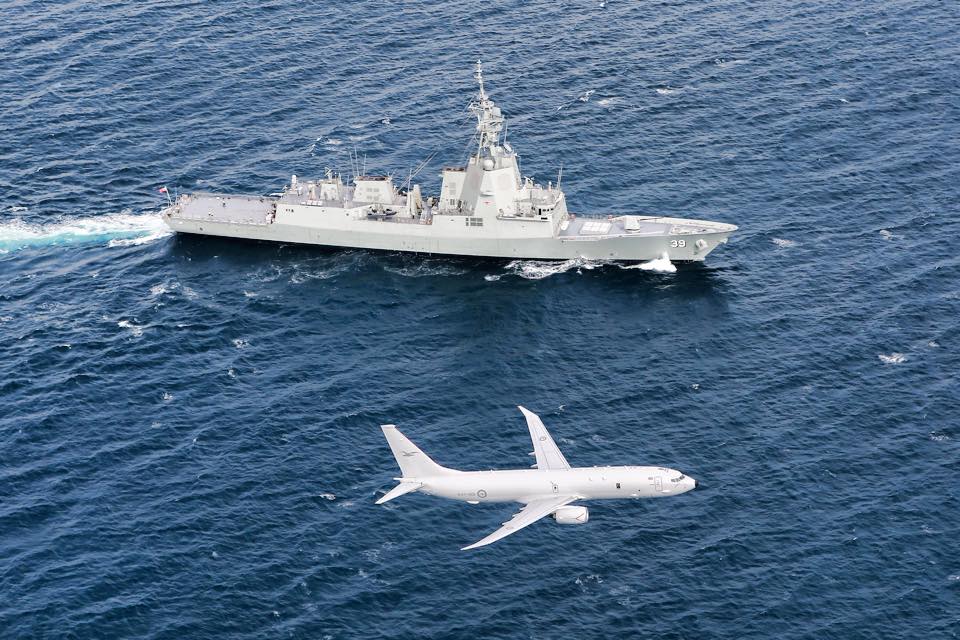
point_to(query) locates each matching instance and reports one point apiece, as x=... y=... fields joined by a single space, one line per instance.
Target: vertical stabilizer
x=413 y=462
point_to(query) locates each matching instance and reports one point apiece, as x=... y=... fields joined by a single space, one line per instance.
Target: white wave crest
x=784 y=244
x=892 y=358
x=117 y=230
x=135 y=329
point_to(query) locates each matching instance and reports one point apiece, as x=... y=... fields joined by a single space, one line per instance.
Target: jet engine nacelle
x=571 y=515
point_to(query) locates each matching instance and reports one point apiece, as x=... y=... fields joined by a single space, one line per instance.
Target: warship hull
x=485 y=208
x=679 y=239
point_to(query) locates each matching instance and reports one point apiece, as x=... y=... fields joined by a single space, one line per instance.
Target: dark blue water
x=189 y=441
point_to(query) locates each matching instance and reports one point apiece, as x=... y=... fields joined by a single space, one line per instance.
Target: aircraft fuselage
x=588 y=483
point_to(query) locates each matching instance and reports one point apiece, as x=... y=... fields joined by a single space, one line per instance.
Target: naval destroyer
x=485 y=208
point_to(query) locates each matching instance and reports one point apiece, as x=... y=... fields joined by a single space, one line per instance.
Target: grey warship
x=484 y=209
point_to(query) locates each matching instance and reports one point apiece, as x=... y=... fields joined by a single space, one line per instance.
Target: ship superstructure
x=484 y=208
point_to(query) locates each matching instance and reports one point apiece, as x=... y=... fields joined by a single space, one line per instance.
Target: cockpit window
x=678 y=478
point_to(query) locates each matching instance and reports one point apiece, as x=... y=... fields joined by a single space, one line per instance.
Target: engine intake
x=571 y=515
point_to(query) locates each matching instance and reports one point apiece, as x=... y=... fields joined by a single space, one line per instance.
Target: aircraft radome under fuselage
x=547 y=489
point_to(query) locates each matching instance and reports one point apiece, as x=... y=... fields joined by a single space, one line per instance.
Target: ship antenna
x=489 y=118
x=479 y=75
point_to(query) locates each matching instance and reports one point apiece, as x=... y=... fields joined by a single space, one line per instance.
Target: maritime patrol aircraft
x=548 y=488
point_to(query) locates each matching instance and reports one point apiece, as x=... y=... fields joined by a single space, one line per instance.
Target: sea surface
x=189 y=427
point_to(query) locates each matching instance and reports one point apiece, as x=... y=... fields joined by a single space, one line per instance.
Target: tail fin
x=413 y=462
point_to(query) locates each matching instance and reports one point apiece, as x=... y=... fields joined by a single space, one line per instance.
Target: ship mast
x=489 y=118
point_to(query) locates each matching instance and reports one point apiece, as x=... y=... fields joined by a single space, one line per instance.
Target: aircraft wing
x=546 y=450
x=530 y=513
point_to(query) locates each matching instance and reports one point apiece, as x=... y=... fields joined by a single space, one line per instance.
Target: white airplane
x=547 y=489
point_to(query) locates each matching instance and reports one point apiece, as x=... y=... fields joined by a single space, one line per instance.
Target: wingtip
x=476 y=545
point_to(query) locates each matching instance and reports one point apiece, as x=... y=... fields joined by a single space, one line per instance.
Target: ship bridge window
x=474 y=222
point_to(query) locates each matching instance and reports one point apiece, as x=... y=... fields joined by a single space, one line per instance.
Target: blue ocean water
x=189 y=441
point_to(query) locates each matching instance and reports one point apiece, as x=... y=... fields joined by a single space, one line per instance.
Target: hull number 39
x=678 y=243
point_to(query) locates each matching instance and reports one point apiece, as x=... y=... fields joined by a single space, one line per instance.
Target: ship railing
x=207 y=218
x=401 y=220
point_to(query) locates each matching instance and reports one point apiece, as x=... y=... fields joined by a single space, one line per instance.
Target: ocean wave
x=135 y=329
x=116 y=230
x=891 y=358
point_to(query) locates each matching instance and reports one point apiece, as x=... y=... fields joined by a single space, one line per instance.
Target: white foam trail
x=892 y=358
x=425 y=269
x=666 y=91
x=117 y=230
x=540 y=269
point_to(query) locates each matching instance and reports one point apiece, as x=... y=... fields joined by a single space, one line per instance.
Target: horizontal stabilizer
x=401 y=489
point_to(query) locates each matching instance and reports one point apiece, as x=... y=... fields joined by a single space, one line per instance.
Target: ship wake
x=115 y=230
